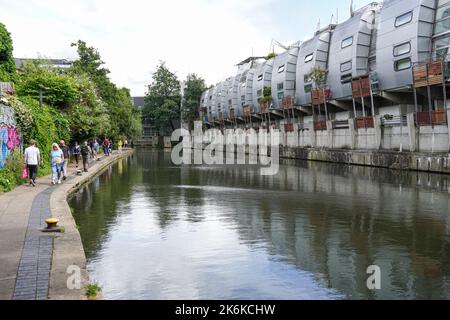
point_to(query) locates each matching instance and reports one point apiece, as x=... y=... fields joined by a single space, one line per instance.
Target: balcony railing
x=289 y=127
x=435 y=117
x=393 y=121
x=365 y=122
x=340 y=124
x=320 y=125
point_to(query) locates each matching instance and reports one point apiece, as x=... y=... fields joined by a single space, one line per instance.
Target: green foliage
x=271 y=55
x=11 y=174
x=319 y=76
x=123 y=118
x=23 y=115
x=59 y=90
x=44 y=131
x=7 y=65
x=267 y=95
x=193 y=91
x=93 y=290
x=162 y=103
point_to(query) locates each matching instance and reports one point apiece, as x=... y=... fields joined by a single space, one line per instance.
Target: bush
x=11 y=174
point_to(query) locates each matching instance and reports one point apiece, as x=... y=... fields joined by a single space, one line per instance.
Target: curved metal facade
x=312 y=53
x=383 y=40
x=350 y=48
x=397 y=28
x=261 y=79
x=284 y=76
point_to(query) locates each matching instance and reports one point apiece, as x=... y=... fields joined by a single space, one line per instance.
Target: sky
x=206 y=37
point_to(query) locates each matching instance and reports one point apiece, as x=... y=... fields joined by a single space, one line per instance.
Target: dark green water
x=152 y=230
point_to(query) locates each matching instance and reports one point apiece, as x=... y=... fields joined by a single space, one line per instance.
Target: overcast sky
x=207 y=37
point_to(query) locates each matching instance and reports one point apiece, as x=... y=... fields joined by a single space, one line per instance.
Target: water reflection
x=155 y=231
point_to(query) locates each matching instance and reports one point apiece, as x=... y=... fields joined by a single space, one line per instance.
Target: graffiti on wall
x=9 y=134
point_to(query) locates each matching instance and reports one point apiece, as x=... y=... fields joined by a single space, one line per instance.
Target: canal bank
x=33 y=264
x=67 y=247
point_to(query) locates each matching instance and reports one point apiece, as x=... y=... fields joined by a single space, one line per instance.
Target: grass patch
x=93 y=290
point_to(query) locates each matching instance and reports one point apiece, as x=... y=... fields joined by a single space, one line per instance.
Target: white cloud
x=201 y=36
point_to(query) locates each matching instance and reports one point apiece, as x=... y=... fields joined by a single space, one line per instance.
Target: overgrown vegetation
x=267 y=95
x=79 y=103
x=271 y=55
x=319 y=76
x=93 y=290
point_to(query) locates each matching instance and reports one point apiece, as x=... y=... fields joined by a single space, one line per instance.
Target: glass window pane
x=347 y=42
x=281 y=69
x=443 y=12
x=402 y=49
x=346 y=66
x=309 y=58
x=442 y=26
x=260 y=77
x=404 y=19
x=280 y=86
x=402 y=64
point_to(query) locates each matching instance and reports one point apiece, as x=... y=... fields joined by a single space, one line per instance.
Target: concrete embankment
x=68 y=251
x=427 y=162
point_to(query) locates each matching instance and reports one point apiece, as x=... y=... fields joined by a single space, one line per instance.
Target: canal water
x=152 y=230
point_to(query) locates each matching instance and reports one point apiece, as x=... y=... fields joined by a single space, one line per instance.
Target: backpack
x=84 y=151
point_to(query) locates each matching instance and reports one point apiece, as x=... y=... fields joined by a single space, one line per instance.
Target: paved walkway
x=26 y=252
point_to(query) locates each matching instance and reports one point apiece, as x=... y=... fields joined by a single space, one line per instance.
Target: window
x=402 y=49
x=346 y=78
x=280 y=86
x=259 y=93
x=280 y=95
x=281 y=69
x=243 y=85
x=308 y=88
x=347 y=42
x=346 y=66
x=403 y=19
x=260 y=77
x=309 y=57
x=242 y=98
x=210 y=97
x=307 y=78
x=402 y=64
x=230 y=102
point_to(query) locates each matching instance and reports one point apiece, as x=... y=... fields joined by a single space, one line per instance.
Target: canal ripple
x=155 y=231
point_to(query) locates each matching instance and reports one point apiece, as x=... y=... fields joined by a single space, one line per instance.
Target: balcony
x=365 y=123
x=289 y=127
x=427 y=119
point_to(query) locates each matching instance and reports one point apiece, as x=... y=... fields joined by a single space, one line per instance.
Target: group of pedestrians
x=60 y=156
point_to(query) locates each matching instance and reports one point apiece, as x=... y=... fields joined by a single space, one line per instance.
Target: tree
x=59 y=90
x=162 y=103
x=7 y=65
x=193 y=91
x=319 y=76
x=123 y=118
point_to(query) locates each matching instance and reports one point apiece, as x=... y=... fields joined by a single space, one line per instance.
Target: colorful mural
x=9 y=133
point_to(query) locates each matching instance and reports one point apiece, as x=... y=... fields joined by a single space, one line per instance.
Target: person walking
x=57 y=162
x=76 y=153
x=95 y=150
x=106 y=147
x=85 y=153
x=32 y=159
x=66 y=151
x=120 y=144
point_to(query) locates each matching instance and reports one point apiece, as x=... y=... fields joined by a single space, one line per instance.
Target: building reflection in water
x=330 y=220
